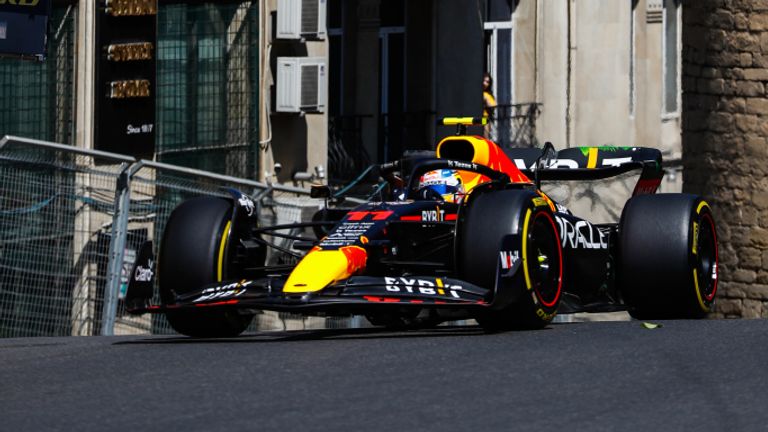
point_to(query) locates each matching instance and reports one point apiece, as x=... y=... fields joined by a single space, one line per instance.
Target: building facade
x=586 y=73
x=725 y=74
x=573 y=73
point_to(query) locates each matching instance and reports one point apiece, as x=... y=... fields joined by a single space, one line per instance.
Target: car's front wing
x=356 y=294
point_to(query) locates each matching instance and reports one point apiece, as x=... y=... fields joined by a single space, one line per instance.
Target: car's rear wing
x=593 y=163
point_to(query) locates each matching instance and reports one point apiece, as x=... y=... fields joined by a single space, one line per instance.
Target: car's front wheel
x=192 y=251
x=499 y=231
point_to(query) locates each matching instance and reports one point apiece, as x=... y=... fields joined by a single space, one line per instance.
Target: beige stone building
x=605 y=74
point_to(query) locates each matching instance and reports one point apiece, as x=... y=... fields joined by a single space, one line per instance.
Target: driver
x=443 y=184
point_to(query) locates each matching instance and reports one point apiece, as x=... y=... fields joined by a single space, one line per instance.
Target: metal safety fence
x=208 y=85
x=71 y=221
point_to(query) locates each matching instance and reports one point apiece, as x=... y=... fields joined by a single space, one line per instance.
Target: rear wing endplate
x=594 y=163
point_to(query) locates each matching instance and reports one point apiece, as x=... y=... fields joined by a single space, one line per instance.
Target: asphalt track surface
x=615 y=376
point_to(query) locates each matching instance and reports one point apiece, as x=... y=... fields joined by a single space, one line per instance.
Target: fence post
x=117 y=248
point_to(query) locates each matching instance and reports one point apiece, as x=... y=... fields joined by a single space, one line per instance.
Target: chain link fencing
x=56 y=209
x=72 y=221
x=208 y=85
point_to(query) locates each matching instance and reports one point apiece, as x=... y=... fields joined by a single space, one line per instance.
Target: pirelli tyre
x=528 y=295
x=191 y=255
x=667 y=258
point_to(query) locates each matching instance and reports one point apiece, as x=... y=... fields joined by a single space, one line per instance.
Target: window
x=632 y=57
x=335 y=58
x=392 y=13
x=37 y=97
x=499 y=63
x=670 y=51
x=498 y=58
x=207 y=79
x=499 y=10
x=392 y=96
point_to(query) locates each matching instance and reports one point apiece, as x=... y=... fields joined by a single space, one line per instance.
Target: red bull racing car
x=463 y=232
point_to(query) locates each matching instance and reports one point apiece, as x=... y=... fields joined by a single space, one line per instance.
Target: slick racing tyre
x=529 y=297
x=194 y=241
x=667 y=260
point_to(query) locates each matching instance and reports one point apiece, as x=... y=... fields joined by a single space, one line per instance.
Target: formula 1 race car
x=463 y=232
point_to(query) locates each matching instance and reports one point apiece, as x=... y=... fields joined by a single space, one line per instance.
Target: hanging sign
x=126 y=38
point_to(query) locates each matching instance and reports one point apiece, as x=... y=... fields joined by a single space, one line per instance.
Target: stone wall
x=725 y=126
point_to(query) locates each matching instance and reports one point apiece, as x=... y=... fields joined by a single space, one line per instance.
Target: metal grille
x=207 y=74
x=515 y=125
x=36 y=98
x=309 y=75
x=309 y=10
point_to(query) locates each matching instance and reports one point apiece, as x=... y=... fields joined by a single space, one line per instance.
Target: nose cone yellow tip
x=321 y=268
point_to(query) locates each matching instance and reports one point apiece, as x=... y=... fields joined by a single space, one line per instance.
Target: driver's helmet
x=443 y=183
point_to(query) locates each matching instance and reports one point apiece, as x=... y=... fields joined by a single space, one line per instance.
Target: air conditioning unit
x=300 y=84
x=301 y=19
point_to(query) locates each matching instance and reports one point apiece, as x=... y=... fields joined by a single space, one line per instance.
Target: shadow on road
x=302 y=335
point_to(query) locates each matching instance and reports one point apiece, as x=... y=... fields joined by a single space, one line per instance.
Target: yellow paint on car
x=316 y=271
x=592 y=158
x=468 y=121
x=222 y=249
x=528 y=283
x=321 y=268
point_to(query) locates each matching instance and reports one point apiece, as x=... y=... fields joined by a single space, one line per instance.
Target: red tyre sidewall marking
x=560 y=261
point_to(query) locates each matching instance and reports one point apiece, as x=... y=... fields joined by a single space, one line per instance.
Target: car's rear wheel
x=192 y=255
x=667 y=266
x=501 y=230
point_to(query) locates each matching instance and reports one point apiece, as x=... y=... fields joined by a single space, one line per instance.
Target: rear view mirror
x=548 y=154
